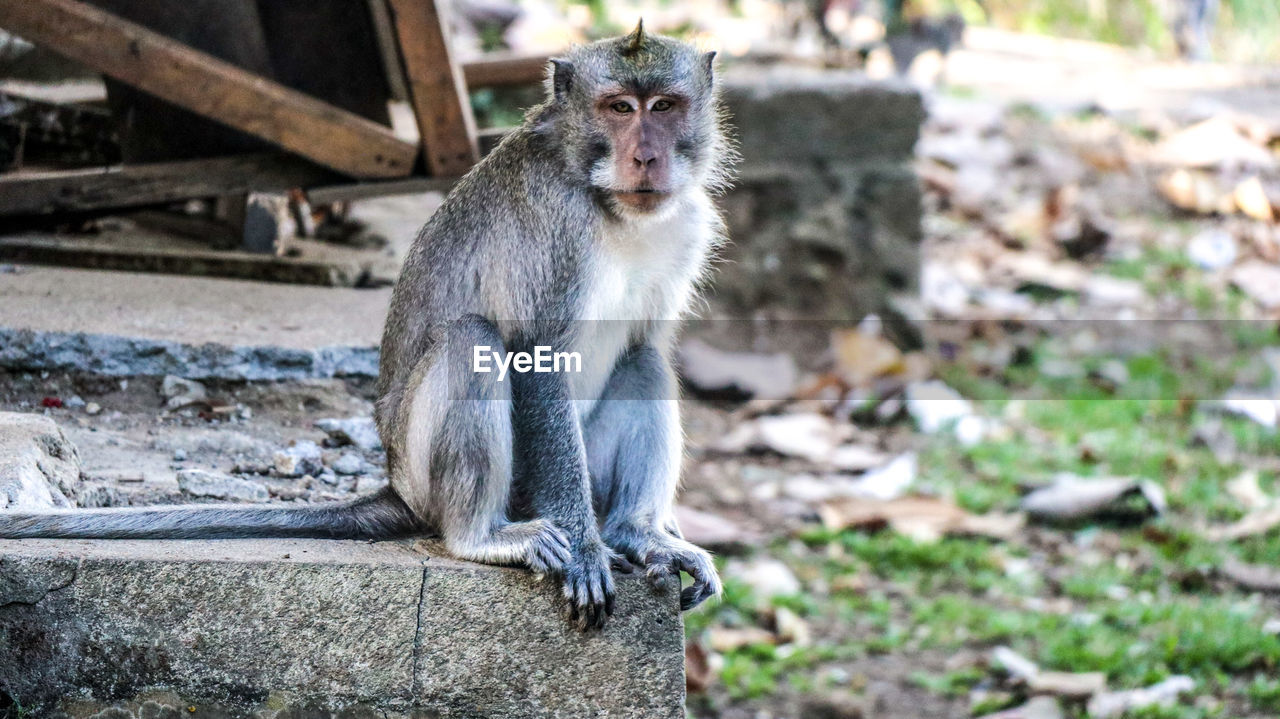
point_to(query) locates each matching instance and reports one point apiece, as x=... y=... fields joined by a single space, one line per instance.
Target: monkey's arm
x=553 y=479
x=634 y=450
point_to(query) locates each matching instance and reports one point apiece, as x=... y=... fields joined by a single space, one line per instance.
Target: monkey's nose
x=644 y=159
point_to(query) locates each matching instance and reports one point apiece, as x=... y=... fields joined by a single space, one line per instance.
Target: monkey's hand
x=588 y=584
x=664 y=555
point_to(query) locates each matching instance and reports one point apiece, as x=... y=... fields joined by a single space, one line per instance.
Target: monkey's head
x=637 y=118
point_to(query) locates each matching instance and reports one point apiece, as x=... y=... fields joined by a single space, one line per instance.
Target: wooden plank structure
x=305 y=131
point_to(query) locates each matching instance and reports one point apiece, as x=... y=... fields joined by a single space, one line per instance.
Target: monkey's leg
x=455 y=461
x=634 y=447
x=552 y=481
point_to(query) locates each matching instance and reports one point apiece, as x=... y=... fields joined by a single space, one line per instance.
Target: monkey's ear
x=561 y=77
x=709 y=62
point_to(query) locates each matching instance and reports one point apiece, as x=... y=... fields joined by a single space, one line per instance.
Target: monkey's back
x=507 y=244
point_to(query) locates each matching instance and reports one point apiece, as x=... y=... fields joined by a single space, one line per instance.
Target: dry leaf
x=1213 y=143
x=727 y=639
x=1071 y=498
x=1257 y=522
x=1259 y=280
x=712 y=370
x=711 y=530
x=1193 y=192
x=921 y=518
x=1067 y=684
x=697 y=668
x=1251 y=198
x=1253 y=577
x=862 y=357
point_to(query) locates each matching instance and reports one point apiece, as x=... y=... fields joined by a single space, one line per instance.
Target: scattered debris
x=215 y=485
x=1252 y=577
x=180 y=392
x=1164 y=694
x=39 y=466
x=1034 y=708
x=1252 y=201
x=1260 y=281
x=1213 y=249
x=934 y=406
x=1214 y=143
x=712 y=531
x=697 y=668
x=1072 y=498
x=1069 y=685
x=1018 y=666
x=863 y=356
x=890 y=481
x=924 y=519
x=302 y=458
x=1249 y=405
x=714 y=371
x=349 y=464
x=1257 y=522
x=791 y=627
x=809 y=436
x=765 y=577
x=727 y=639
x=359 y=431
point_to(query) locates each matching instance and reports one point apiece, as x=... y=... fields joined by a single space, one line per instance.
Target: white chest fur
x=644 y=269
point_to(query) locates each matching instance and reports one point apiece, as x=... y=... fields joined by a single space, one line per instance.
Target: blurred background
x=982 y=400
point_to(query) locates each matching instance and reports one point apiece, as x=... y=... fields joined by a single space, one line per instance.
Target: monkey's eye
x=621 y=107
x=662 y=105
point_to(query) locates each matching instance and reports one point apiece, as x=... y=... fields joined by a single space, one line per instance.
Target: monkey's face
x=643 y=168
x=637 y=119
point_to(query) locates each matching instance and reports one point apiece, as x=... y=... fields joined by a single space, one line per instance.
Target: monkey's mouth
x=641 y=199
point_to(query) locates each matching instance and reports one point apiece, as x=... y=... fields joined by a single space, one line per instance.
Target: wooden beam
x=498 y=70
x=211 y=87
x=42 y=193
x=33 y=193
x=37 y=249
x=436 y=86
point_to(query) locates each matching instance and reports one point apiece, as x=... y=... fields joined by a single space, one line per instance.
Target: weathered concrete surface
x=824 y=219
x=39 y=466
x=314 y=628
x=124 y=323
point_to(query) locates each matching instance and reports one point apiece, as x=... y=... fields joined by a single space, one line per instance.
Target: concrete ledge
x=291 y=628
x=125 y=324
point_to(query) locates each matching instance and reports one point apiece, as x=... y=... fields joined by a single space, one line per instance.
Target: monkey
x=587 y=230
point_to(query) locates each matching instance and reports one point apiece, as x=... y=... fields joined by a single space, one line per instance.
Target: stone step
x=317 y=628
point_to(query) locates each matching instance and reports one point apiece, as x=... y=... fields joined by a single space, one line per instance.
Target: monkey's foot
x=663 y=556
x=588 y=585
x=537 y=543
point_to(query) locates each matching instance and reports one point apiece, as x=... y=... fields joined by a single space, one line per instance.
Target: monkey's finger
x=622 y=564
x=692 y=596
x=706 y=583
x=661 y=571
x=597 y=598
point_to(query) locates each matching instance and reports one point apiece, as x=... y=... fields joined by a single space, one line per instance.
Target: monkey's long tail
x=378 y=516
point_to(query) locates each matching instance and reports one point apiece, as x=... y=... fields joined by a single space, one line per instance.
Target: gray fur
x=514 y=244
x=510 y=472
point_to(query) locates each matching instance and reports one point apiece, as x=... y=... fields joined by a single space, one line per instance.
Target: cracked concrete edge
x=227 y=623
x=28 y=580
x=119 y=356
